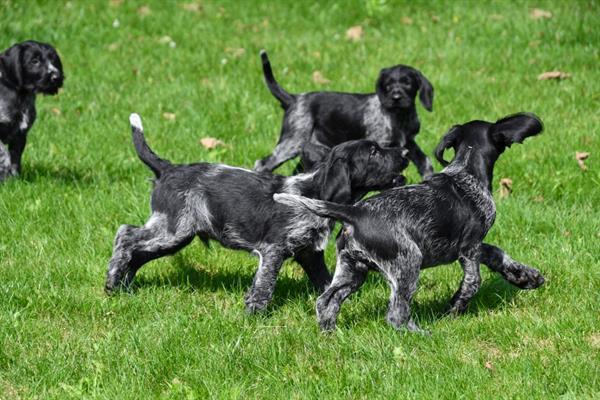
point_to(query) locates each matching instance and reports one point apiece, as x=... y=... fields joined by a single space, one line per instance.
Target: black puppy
x=388 y=116
x=235 y=207
x=444 y=219
x=26 y=69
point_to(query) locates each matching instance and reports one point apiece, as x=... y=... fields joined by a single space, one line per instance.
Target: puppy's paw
x=524 y=277
x=255 y=305
x=327 y=325
x=456 y=308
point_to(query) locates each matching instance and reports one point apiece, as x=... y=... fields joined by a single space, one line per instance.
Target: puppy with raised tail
x=235 y=207
x=444 y=219
x=26 y=69
x=388 y=116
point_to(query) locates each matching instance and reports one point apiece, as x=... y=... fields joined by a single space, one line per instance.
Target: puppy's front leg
x=263 y=285
x=416 y=155
x=348 y=277
x=520 y=275
x=470 y=283
x=16 y=148
x=313 y=264
x=5 y=165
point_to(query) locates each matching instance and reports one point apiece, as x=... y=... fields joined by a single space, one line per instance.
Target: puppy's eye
x=35 y=62
x=405 y=81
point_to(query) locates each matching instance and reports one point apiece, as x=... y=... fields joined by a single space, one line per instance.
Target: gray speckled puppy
x=444 y=219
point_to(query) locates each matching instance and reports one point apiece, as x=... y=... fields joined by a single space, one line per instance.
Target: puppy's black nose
x=396 y=96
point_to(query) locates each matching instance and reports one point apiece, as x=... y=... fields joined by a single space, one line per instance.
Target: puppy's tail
x=286 y=99
x=325 y=209
x=144 y=152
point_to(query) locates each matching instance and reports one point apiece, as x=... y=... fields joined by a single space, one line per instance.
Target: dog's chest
x=17 y=114
x=378 y=125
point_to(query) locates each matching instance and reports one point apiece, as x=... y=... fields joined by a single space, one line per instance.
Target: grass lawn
x=183 y=331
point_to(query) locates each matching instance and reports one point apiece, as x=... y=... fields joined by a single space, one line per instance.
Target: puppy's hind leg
x=263 y=285
x=520 y=275
x=348 y=277
x=295 y=132
x=134 y=246
x=313 y=263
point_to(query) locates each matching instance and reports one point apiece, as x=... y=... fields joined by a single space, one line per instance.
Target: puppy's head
x=360 y=166
x=397 y=88
x=487 y=138
x=33 y=67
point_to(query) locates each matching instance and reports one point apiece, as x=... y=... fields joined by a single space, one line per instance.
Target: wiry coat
x=444 y=219
x=235 y=207
x=388 y=116
x=26 y=69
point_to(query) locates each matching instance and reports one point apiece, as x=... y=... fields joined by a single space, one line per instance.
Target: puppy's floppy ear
x=448 y=141
x=516 y=128
x=312 y=154
x=425 y=92
x=10 y=63
x=336 y=185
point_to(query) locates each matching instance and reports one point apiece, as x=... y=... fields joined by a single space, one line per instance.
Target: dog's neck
x=472 y=173
x=472 y=162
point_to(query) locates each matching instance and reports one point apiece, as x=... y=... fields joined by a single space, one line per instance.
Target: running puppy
x=26 y=69
x=444 y=219
x=388 y=116
x=235 y=207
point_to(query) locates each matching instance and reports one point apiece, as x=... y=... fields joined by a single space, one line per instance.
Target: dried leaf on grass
x=210 y=143
x=192 y=7
x=144 y=11
x=355 y=33
x=235 y=52
x=505 y=187
x=581 y=156
x=319 y=78
x=56 y=111
x=489 y=365
x=538 y=13
x=406 y=20
x=553 y=75
x=169 y=116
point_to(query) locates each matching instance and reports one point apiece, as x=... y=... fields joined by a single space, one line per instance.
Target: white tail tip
x=136 y=121
x=262 y=52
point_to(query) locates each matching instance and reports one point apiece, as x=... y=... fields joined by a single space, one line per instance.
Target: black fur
x=388 y=116
x=235 y=207
x=26 y=69
x=444 y=219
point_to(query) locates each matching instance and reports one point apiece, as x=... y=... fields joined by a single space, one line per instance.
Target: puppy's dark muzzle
x=52 y=84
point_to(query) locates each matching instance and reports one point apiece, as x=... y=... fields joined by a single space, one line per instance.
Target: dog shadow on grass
x=493 y=294
x=188 y=277
x=38 y=172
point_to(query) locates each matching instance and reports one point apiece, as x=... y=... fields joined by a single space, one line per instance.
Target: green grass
x=183 y=332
